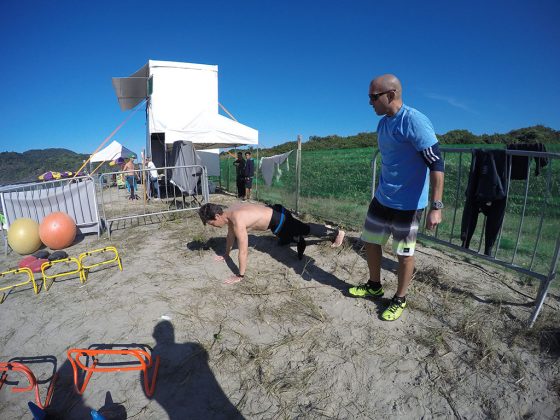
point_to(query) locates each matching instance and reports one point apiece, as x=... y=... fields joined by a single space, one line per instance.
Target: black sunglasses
x=375 y=96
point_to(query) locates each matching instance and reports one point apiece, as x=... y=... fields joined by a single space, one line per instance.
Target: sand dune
x=286 y=342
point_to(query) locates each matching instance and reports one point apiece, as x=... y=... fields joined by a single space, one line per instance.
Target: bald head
x=387 y=82
x=385 y=93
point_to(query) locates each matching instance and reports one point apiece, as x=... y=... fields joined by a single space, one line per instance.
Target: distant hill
x=27 y=166
x=535 y=134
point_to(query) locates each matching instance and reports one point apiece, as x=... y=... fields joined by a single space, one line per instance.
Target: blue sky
x=285 y=67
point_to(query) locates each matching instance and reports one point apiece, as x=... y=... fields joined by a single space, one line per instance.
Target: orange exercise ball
x=57 y=230
x=23 y=236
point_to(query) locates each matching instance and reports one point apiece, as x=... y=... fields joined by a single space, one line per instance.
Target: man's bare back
x=251 y=216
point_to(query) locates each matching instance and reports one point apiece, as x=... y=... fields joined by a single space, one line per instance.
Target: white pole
x=298 y=171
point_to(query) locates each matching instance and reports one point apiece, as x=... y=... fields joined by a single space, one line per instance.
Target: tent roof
x=114 y=151
x=212 y=131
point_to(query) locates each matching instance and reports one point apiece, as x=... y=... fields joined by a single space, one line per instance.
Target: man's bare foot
x=233 y=279
x=338 y=240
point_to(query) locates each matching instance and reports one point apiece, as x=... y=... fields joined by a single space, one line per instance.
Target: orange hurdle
x=20 y=367
x=143 y=357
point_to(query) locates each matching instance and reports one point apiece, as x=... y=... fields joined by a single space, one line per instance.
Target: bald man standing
x=410 y=156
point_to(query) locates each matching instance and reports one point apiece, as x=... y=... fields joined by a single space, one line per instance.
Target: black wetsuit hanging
x=520 y=164
x=487 y=193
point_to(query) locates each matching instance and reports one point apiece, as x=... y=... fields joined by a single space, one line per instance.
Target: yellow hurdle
x=49 y=264
x=86 y=268
x=30 y=279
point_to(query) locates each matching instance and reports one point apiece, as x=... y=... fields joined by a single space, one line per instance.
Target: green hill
x=535 y=134
x=27 y=166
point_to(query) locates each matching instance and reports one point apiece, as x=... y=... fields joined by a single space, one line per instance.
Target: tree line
x=27 y=166
x=534 y=134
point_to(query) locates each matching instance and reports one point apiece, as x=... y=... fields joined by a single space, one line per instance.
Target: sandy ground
x=286 y=342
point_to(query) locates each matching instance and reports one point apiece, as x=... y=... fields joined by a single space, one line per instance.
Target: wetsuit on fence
x=520 y=164
x=487 y=193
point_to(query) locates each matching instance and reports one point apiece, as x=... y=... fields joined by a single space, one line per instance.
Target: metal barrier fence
x=528 y=241
x=120 y=202
x=74 y=196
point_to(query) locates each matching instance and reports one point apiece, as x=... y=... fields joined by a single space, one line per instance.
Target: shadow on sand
x=185 y=386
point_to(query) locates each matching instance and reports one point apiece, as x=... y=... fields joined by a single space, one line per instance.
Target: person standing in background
x=130 y=174
x=249 y=174
x=153 y=176
x=239 y=164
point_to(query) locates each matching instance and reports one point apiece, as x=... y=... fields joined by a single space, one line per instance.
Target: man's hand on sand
x=233 y=279
x=338 y=240
x=220 y=257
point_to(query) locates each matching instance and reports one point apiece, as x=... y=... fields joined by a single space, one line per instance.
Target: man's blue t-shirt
x=403 y=184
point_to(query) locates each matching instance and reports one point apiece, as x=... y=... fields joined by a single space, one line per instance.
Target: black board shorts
x=285 y=226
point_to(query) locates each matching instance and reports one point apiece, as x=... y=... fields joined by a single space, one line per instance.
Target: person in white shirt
x=153 y=175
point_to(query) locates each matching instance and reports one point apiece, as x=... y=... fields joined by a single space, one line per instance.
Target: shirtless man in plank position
x=240 y=218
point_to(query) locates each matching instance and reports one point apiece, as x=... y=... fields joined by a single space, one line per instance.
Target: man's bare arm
x=230 y=239
x=436 y=183
x=243 y=246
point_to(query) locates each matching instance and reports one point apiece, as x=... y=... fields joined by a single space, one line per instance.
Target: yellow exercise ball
x=23 y=236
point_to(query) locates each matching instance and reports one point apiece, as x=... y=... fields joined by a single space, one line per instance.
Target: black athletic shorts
x=286 y=226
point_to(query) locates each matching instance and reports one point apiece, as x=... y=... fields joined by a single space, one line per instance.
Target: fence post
x=298 y=171
x=543 y=289
x=227 y=171
x=145 y=176
x=257 y=176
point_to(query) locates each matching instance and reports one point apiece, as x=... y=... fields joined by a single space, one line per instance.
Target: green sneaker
x=364 y=290
x=394 y=310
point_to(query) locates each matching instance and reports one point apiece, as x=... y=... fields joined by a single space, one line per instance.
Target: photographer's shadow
x=186 y=387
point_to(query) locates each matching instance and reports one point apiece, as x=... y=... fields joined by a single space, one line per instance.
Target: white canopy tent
x=114 y=151
x=182 y=105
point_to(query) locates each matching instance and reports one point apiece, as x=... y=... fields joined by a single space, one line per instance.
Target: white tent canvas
x=182 y=105
x=114 y=151
x=213 y=131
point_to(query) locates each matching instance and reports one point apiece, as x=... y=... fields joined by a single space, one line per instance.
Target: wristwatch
x=437 y=205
